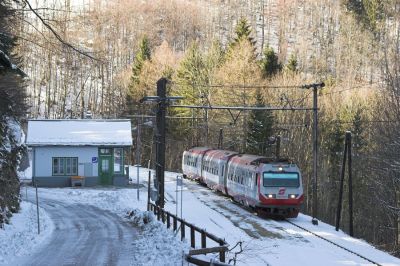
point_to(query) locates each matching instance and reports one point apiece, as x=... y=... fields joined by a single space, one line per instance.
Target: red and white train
x=274 y=187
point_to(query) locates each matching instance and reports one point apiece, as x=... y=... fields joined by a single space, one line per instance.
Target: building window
x=105 y=165
x=118 y=160
x=105 y=151
x=65 y=165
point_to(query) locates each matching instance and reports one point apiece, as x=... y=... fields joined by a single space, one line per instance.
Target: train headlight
x=292 y=196
x=271 y=196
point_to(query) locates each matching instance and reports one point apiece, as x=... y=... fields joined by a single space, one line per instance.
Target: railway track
x=296 y=225
x=333 y=243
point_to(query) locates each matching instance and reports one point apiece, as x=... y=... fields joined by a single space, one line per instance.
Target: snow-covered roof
x=79 y=133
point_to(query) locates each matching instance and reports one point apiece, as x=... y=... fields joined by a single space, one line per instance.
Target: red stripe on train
x=281 y=202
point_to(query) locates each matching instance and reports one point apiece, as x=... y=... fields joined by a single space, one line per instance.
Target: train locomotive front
x=280 y=189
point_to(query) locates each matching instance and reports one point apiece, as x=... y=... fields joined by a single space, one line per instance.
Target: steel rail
x=333 y=243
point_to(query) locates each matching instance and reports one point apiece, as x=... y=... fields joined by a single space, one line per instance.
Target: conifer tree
x=214 y=57
x=270 y=64
x=191 y=73
x=260 y=127
x=292 y=64
x=243 y=32
x=12 y=109
x=367 y=12
x=142 y=55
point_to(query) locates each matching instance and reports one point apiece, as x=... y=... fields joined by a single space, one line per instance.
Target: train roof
x=246 y=159
x=199 y=150
x=220 y=154
x=250 y=159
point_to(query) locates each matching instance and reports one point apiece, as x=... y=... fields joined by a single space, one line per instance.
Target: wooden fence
x=166 y=218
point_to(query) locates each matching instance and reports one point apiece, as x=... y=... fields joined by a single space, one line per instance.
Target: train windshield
x=280 y=179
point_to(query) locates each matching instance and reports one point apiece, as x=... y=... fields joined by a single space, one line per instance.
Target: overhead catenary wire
x=244 y=86
x=242 y=108
x=261 y=86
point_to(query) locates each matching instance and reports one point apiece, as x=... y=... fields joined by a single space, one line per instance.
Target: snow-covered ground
x=156 y=245
x=264 y=241
x=20 y=237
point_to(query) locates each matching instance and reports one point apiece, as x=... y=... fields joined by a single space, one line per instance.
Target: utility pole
x=162 y=102
x=315 y=155
x=278 y=147
x=220 y=138
x=315 y=88
x=160 y=139
x=350 y=184
x=347 y=153
x=342 y=173
x=206 y=125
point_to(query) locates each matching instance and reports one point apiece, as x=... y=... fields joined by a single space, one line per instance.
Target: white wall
x=43 y=158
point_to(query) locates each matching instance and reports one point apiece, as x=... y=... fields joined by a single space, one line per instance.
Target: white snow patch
x=79 y=132
x=156 y=244
x=20 y=237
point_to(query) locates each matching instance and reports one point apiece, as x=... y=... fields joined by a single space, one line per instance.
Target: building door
x=105 y=166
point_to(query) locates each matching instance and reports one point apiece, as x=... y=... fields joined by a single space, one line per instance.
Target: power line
x=363 y=86
x=245 y=86
x=242 y=108
x=364 y=121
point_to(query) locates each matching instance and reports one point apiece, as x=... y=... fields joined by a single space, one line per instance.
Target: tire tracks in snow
x=83 y=235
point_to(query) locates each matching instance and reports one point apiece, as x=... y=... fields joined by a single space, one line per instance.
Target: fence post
x=203 y=239
x=182 y=230
x=168 y=222
x=148 y=190
x=174 y=222
x=222 y=252
x=37 y=208
x=158 y=213
x=162 y=216
x=192 y=237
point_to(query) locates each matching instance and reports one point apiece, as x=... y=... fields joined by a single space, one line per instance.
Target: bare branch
x=50 y=28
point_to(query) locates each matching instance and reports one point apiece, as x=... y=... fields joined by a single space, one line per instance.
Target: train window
x=279 y=179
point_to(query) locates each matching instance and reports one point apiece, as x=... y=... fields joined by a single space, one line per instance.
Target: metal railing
x=166 y=217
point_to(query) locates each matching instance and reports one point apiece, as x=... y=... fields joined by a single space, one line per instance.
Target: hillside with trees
x=236 y=53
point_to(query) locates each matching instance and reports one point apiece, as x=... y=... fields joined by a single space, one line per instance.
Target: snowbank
x=20 y=237
x=156 y=244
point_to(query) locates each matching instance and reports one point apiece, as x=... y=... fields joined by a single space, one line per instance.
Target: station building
x=79 y=152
